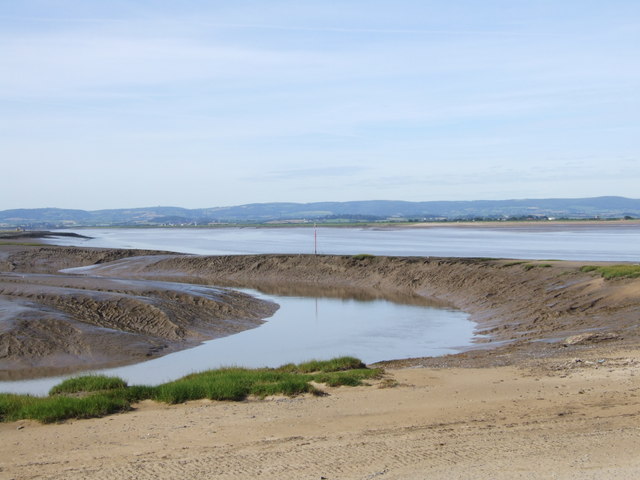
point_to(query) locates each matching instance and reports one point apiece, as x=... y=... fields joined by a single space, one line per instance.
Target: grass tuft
x=588 y=268
x=512 y=264
x=334 y=365
x=290 y=386
x=529 y=266
x=58 y=408
x=362 y=256
x=96 y=396
x=88 y=383
x=232 y=384
x=338 y=380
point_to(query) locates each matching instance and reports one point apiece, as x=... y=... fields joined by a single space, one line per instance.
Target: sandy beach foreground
x=560 y=419
x=531 y=401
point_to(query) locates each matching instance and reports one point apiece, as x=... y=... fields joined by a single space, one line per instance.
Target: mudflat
x=550 y=391
x=55 y=323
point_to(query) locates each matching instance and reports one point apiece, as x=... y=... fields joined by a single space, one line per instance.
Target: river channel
x=605 y=241
x=302 y=329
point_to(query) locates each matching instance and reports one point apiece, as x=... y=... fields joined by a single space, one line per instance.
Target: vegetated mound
x=99 y=395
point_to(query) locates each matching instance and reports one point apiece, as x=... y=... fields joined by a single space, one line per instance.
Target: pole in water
x=315 y=239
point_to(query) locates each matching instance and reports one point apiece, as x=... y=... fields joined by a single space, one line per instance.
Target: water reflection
x=348 y=293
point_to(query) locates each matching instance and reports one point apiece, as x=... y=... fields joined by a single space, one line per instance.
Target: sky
x=134 y=103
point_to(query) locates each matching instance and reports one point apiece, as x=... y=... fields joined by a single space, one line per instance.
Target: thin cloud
x=391 y=31
x=340 y=171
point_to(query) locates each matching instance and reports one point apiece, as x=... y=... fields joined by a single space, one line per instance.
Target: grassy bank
x=96 y=396
x=614 y=271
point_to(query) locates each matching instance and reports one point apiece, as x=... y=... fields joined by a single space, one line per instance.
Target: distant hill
x=330 y=212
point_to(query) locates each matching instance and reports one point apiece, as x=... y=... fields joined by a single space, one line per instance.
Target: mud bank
x=524 y=310
x=52 y=324
x=45 y=259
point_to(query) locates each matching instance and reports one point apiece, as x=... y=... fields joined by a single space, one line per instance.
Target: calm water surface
x=617 y=242
x=303 y=329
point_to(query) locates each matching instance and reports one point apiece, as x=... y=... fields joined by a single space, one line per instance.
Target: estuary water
x=303 y=329
x=614 y=242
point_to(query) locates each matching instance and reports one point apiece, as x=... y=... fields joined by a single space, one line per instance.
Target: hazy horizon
x=134 y=207
x=108 y=105
x=203 y=207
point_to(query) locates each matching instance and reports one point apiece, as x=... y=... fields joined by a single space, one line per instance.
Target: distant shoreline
x=525 y=223
x=17 y=234
x=59 y=232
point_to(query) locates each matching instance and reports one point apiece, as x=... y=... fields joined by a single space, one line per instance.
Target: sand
x=526 y=402
x=576 y=420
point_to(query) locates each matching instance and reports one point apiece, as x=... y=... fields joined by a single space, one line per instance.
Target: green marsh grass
x=588 y=268
x=512 y=264
x=88 y=383
x=58 y=408
x=529 y=266
x=333 y=365
x=614 y=271
x=363 y=256
x=97 y=396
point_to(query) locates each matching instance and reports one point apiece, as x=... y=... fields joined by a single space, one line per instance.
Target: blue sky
x=210 y=103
